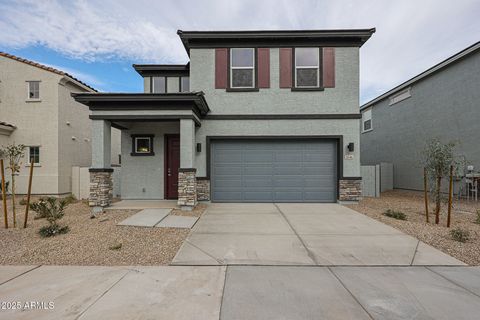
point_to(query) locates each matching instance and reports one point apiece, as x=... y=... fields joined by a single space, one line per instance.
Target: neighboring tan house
x=442 y=102
x=256 y=116
x=37 y=110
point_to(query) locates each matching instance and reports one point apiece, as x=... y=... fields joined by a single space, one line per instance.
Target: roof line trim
x=439 y=66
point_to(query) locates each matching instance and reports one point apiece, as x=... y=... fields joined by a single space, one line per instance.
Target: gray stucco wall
x=148 y=171
x=445 y=105
x=344 y=98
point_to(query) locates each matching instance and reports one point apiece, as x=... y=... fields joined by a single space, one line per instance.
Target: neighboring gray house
x=255 y=116
x=442 y=102
x=37 y=110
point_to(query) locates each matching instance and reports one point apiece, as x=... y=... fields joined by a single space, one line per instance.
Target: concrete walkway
x=239 y=292
x=300 y=234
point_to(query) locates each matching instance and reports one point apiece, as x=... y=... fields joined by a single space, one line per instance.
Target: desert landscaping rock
x=89 y=240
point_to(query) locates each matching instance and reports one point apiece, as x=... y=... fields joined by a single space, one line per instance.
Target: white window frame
x=400 y=96
x=153 y=84
x=28 y=90
x=366 y=116
x=27 y=163
x=149 y=145
x=308 y=67
x=252 y=68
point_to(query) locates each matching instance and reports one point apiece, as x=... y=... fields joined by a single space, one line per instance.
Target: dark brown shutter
x=285 y=67
x=263 y=67
x=221 y=68
x=329 y=67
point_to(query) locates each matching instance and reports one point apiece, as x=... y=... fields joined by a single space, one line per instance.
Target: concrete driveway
x=239 y=292
x=300 y=234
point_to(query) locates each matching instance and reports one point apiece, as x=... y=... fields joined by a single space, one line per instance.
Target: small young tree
x=437 y=159
x=53 y=210
x=14 y=154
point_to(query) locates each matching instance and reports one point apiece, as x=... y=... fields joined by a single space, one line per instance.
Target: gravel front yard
x=90 y=241
x=412 y=204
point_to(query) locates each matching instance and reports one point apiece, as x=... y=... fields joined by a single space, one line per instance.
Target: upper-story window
x=184 y=84
x=307 y=67
x=33 y=90
x=159 y=85
x=242 y=68
x=367 y=120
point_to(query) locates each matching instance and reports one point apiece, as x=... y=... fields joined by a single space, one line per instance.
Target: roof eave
x=197 y=98
x=419 y=77
x=360 y=35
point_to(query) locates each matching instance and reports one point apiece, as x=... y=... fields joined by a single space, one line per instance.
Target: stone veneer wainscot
x=101 y=187
x=187 y=188
x=350 y=189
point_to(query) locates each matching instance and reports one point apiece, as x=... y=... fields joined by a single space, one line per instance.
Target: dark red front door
x=172 y=163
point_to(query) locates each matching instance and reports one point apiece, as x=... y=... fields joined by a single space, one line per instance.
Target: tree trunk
x=13 y=202
x=437 y=199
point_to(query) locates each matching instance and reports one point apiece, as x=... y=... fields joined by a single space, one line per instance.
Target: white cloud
x=80 y=75
x=412 y=35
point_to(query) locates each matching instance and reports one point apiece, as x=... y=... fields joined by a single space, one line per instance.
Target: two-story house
x=442 y=102
x=255 y=116
x=37 y=110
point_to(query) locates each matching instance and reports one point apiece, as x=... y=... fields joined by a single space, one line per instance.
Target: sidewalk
x=240 y=292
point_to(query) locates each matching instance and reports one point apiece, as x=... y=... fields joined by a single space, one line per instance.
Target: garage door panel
x=289 y=196
x=229 y=182
x=258 y=170
x=228 y=195
x=253 y=182
x=289 y=156
x=258 y=156
x=225 y=170
x=274 y=170
x=258 y=196
x=288 y=181
x=288 y=170
x=229 y=156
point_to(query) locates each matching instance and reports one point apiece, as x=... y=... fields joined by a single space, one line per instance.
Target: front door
x=172 y=163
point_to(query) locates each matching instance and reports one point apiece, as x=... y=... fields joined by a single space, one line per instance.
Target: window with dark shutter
x=285 y=67
x=307 y=68
x=263 y=56
x=242 y=68
x=221 y=68
x=328 y=62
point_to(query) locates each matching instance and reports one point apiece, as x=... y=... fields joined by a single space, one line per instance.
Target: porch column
x=101 y=184
x=187 y=184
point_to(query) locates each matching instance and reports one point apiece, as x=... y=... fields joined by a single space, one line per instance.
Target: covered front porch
x=157 y=150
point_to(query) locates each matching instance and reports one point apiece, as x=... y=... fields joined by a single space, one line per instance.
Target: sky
x=97 y=41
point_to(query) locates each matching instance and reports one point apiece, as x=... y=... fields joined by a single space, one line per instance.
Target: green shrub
x=53 y=210
x=23 y=202
x=52 y=230
x=395 y=214
x=70 y=199
x=460 y=235
x=477 y=221
x=117 y=246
